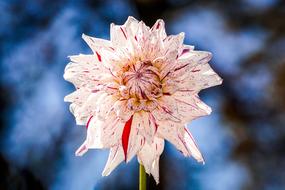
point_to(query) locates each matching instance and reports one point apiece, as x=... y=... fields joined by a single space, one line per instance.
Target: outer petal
x=149 y=157
x=203 y=76
x=105 y=105
x=173 y=43
x=105 y=52
x=78 y=98
x=85 y=71
x=193 y=72
x=185 y=63
x=156 y=40
x=180 y=138
x=121 y=110
x=97 y=44
x=131 y=26
x=158 y=29
x=103 y=134
x=144 y=124
x=131 y=140
x=121 y=35
x=116 y=156
x=191 y=145
x=135 y=141
x=167 y=109
x=82 y=113
x=190 y=106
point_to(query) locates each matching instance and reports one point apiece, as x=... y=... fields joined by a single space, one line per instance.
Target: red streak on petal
x=126 y=135
x=88 y=122
x=181 y=67
x=136 y=38
x=95 y=91
x=83 y=148
x=197 y=70
x=158 y=25
x=123 y=32
x=98 y=56
x=190 y=135
x=153 y=121
x=185 y=51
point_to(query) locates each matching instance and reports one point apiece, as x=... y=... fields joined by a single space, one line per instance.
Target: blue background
x=243 y=141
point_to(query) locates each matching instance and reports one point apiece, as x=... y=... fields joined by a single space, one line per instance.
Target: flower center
x=141 y=85
x=142 y=81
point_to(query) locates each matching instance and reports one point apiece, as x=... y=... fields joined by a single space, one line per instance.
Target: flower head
x=137 y=90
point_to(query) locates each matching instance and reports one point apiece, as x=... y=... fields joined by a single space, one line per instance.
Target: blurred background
x=243 y=141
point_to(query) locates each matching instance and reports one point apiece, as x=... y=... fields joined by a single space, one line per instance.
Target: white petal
x=104 y=52
x=141 y=120
x=85 y=74
x=90 y=60
x=131 y=26
x=104 y=133
x=158 y=29
x=116 y=156
x=184 y=65
x=150 y=152
x=82 y=113
x=96 y=44
x=81 y=150
x=78 y=96
x=190 y=107
x=167 y=109
x=104 y=105
x=120 y=108
x=155 y=170
x=136 y=141
x=119 y=36
x=173 y=43
x=191 y=145
x=170 y=131
x=203 y=76
x=180 y=137
x=144 y=46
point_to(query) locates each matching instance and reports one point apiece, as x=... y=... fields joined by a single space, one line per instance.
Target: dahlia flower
x=137 y=90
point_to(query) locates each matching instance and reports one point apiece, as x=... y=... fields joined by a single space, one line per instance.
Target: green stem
x=142 y=178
